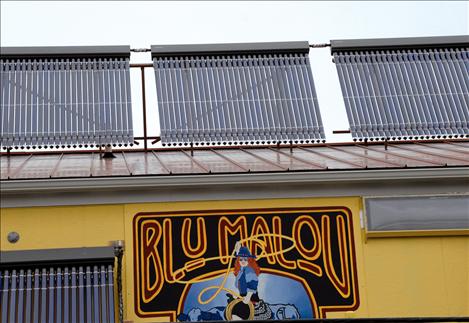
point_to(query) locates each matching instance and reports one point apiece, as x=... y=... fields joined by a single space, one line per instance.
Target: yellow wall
x=398 y=277
x=419 y=276
x=62 y=227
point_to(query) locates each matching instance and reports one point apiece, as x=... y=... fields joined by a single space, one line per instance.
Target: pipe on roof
x=230 y=49
x=66 y=52
x=344 y=45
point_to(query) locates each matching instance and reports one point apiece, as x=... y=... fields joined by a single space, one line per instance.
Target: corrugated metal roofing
x=65 y=99
x=219 y=94
x=237 y=160
x=405 y=92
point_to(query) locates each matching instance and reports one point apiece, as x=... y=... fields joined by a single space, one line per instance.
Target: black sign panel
x=294 y=263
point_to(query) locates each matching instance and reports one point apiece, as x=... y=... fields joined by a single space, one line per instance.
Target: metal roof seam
x=432 y=154
x=264 y=159
x=367 y=157
x=331 y=157
x=402 y=156
x=161 y=163
x=230 y=160
x=298 y=158
x=196 y=162
x=465 y=152
x=92 y=164
x=126 y=164
x=455 y=144
x=20 y=167
x=56 y=166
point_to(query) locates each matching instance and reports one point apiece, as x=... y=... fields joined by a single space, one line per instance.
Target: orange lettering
x=201 y=247
x=260 y=227
x=342 y=285
x=314 y=252
x=151 y=232
x=277 y=224
x=225 y=227
x=168 y=254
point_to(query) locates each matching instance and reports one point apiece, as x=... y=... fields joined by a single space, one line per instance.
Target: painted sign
x=293 y=263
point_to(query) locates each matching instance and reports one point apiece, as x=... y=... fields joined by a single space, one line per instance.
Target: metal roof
x=337 y=157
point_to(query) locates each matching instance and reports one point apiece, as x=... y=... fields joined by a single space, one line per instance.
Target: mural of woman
x=246 y=272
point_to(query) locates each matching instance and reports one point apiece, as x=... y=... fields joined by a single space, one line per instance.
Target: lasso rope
x=201 y=262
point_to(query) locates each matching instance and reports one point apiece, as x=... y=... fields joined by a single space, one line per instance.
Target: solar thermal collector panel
x=396 y=90
x=236 y=93
x=57 y=285
x=65 y=96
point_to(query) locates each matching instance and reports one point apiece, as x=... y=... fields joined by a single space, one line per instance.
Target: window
x=417 y=213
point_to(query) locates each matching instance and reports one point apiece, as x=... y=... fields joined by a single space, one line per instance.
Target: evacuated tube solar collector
x=64 y=96
x=236 y=93
x=405 y=88
x=57 y=285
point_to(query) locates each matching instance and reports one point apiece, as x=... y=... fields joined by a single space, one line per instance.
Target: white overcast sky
x=141 y=24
